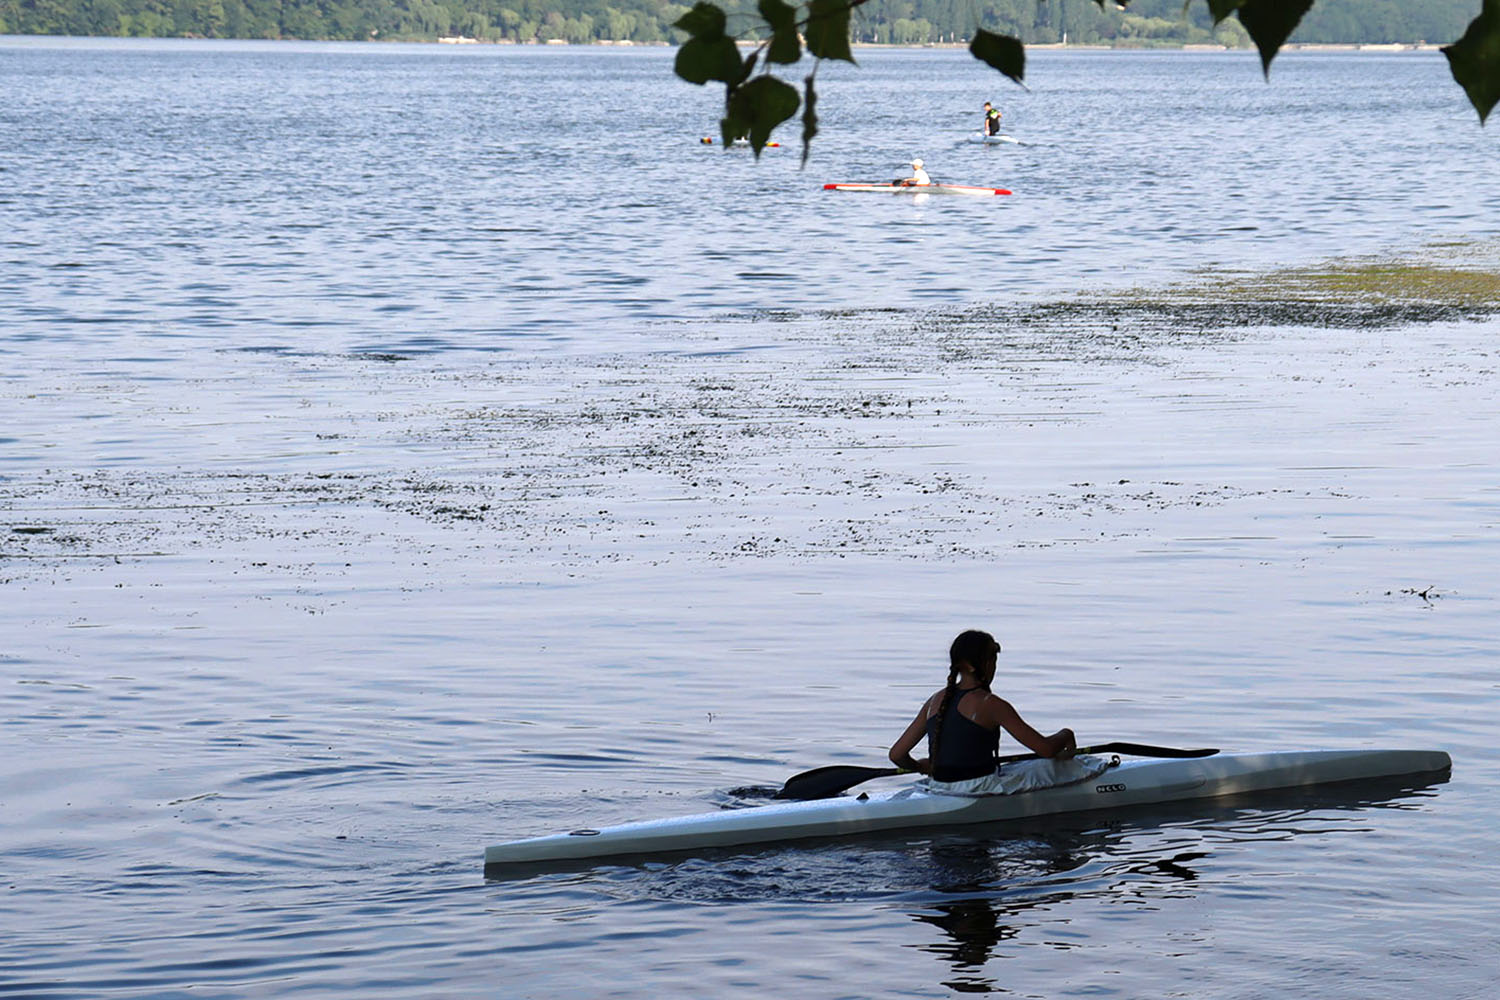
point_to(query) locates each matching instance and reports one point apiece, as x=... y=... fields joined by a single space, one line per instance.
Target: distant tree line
x=576 y=21
x=899 y=22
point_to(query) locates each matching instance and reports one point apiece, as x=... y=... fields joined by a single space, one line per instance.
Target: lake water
x=404 y=449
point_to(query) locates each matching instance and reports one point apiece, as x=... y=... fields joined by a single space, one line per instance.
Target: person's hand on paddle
x=919 y=765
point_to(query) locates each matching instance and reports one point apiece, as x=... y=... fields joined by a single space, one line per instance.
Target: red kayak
x=898 y=188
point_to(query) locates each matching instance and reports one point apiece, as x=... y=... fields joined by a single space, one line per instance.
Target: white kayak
x=888 y=187
x=994 y=140
x=1133 y=783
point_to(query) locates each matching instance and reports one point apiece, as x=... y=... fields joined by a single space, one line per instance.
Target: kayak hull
x=1133 y=783
x=875 y=187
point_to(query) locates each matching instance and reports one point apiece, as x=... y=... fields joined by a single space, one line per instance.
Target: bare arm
x=901 y=750
x=996 y=711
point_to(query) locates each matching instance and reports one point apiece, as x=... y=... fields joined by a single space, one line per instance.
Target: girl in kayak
x=962 y=722
x=918 y=176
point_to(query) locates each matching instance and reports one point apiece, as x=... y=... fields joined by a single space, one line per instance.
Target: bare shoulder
x=996 y=709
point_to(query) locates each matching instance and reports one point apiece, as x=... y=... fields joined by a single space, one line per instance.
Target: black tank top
x=966 y=749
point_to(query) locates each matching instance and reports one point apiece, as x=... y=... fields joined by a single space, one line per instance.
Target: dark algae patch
x=1449 y=284
x=1354 y=294
x=1455 y=283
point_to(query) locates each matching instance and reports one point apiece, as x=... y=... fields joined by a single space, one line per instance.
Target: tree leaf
x=760 y=106
x=1475 y=59
x=709 y=54
x=1002 y=52
x=1221 y=9
x=704 y=21
x=827 y=31
x=809 y=119
x=1269 y=23
x=745 y=71
x=786 y=46
x=731 y=128
x=700 y=60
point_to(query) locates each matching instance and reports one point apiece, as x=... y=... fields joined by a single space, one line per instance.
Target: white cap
x=917 y=164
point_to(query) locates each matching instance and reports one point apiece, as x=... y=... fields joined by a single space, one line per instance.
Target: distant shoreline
x=1383 y=47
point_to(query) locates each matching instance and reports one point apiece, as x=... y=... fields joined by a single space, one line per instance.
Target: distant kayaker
x=991 y=119
x=918 y=176
x=963 y=721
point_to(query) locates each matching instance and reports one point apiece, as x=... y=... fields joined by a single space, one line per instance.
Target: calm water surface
x=404 y=449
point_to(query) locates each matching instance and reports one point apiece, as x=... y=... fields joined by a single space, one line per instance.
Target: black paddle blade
x=824 y=782
x=1144 y=750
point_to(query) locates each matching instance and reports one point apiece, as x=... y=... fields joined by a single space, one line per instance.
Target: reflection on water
x=1000 y=885
x=975 y=924
x=974 y=929
x=992 y=907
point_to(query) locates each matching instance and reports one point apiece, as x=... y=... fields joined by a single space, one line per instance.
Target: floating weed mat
x=1417 y=283
x=1457 y=282
x=1438 y=283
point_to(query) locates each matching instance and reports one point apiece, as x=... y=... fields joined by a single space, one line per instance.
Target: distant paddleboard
x=994 y=140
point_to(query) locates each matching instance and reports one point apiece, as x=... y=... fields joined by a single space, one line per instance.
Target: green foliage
x=1269 y=22
x=827 y=29
x=574 y=21
x=708 y=54
x=809 y=118
x=1475 y=60
x=704 y=21
x=758 y=107
x=786 y=44
x=1005 y=54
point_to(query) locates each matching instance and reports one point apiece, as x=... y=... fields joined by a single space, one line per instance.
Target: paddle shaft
x=1133 y=749
x=823 y=782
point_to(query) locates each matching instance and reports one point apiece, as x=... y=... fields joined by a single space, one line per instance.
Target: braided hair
x=968 y=648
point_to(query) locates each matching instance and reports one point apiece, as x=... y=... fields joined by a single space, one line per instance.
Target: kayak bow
x=1133 y=783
